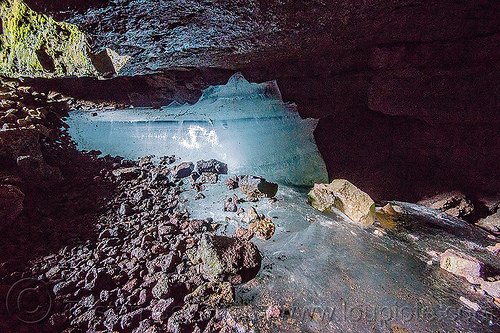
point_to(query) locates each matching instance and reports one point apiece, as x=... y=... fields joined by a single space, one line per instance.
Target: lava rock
x=125 y=209
x=64 y=288
x=243 y=234
x=208 y=178
x=263 y=228
x=166 y=262
x=257 y=187
x=182 y=170
x=227 y=259
x=211 y=166
x=132 y=319
x=230 y=206
x=124 y=174
x=97 y=280
x=163 y=288
x=163 y=309
x=232 y=183
x=212 y=294
x=452 y=203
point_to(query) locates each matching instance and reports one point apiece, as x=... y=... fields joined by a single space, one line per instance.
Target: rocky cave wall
x=406 y=91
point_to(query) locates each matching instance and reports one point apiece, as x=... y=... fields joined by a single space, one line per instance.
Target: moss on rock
x=33 y=44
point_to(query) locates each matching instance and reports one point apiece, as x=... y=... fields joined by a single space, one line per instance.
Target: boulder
x=461 y=264
x=11 y=203
x=257 y=187
x=453 y=203
x=182 y=170
x=211 y=166
x=491 y=223
x=227 y=259
x=344 y=196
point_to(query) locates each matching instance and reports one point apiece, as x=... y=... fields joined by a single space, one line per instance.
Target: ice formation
x=329 y=274
x=247 y=125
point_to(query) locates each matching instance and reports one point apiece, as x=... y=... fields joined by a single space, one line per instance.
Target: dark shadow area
x=405 y=159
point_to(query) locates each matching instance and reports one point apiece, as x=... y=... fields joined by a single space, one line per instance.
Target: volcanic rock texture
x=406 y=91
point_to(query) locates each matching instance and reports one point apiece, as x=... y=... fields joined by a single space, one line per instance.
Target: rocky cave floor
x=99 y=244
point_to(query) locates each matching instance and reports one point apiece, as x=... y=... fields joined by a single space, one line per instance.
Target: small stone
x=167 y=160
x=138 y=253
x=387 y=216
x=231 y=183
x=212 y=294
x=461 y=264
x=272 y=311
x=125 y=209
x=199 y=196
x=162 y=289
x=162 y=310
x=243 y=234
x=494 y=249
x=126 y=173
x=263 y=228
x=250 y=215
x=491 y=288
x=132 y=319
x=166 y=262
x=230 y=206
x=471 y=305
x=64 y=288
x=208 y=178
x=491 y=223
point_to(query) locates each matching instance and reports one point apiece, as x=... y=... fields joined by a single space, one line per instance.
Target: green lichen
x=33 y=44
